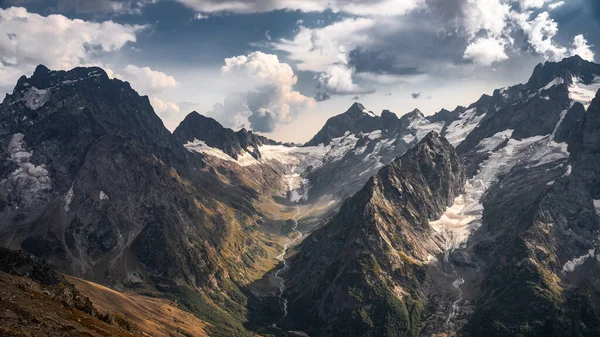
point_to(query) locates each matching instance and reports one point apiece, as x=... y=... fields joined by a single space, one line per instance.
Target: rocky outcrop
x=198 y=127
x=361 y=274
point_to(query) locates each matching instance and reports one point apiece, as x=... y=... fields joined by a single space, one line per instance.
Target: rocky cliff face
x=516 y=253
x=538 y=253
x=92 y=182
x=359 y=275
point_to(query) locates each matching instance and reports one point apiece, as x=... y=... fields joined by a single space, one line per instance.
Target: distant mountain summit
x=198 y=127
x=356 y=119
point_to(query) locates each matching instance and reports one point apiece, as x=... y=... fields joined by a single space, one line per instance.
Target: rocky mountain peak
x=356 y=110
x=416 y=113
x=356 y=119
x=85 y=93
x=566 y=69
x=196 y=127
x=373 y=244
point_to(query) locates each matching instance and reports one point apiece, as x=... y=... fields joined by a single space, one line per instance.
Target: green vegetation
x=224 y=324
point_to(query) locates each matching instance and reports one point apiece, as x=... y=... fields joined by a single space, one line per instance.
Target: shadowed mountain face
x=359 y=275
x=480 y=221
x=92 y=182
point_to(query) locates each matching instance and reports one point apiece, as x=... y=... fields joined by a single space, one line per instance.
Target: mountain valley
x=480 y=221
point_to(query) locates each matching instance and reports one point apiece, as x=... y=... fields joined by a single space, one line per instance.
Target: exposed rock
x=198 y=127
x=361 y=273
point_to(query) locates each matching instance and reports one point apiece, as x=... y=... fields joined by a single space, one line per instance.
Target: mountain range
x=480 y=221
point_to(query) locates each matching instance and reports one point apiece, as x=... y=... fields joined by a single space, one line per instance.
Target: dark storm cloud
x=378 y=62
x=263 y=121
x=322 y=96
x=449 y=11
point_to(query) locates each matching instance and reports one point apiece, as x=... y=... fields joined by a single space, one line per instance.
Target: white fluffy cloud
x=556 y=5
x=315 y=49
x=486 y=51
x=148 y=81
x=490 y=25
x=489 y=16
x=56 y=41
x=540 y=34
x=526 y=4
x=337 y=80
x=325 y=51
x=582 y=48
x=169 y=112
x=357 y=7
x=269 y=102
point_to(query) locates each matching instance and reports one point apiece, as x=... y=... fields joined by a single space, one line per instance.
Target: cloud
x=486 y=16
x=582 y=48
x=169 y=112
x=486 y=51
x=378 y=62
x=322 y=96
x=315 y=49
x=56 y=41
x=357 y=7
x=270 y=102
x=540 y=35
x=337 y=80
x=104 y=6
x=148 y=81
x=527 y=4
x=415 y=95
x=326 y=51
x=556 y=5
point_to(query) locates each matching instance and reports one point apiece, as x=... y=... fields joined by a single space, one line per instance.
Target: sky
x=283 y=67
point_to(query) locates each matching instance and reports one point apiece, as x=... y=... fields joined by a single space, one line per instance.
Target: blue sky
x=282 y=67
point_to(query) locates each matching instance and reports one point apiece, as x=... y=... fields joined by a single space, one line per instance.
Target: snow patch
x=421 y=127
x=491 y=143
x=584 y=93
x=375 y=135
x=200 y=146
x=570 y=266
x=408 y=138
x=560 y=120
x=461 y=219
x=68 y=199
x=597 y=206
x=16 y=149
x=28 y=180
x=298 y=161
x=458 y=130
x=554 y=82
x=370 y=113
x=35 y=98
x=458 y=221
x=103 y=196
